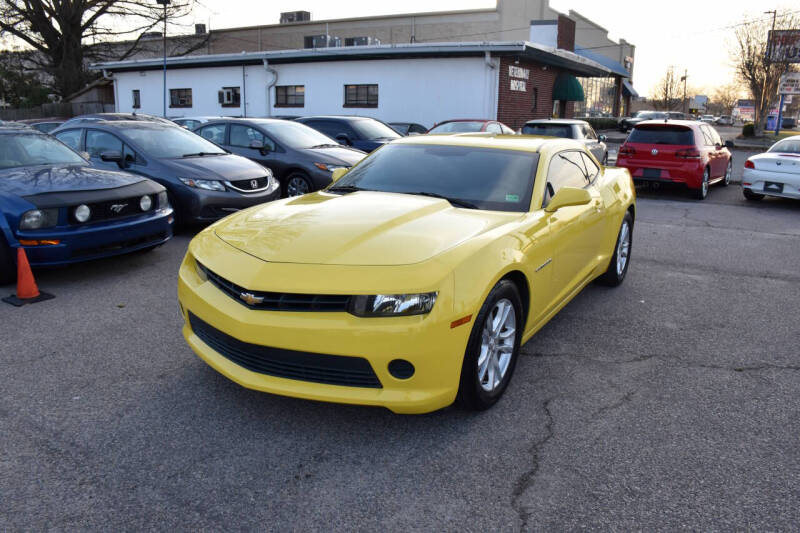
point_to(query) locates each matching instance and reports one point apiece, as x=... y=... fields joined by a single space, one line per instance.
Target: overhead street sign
x=784 y=46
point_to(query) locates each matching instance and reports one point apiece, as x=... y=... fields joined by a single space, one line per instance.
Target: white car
x=776 y=172
x=707 y=118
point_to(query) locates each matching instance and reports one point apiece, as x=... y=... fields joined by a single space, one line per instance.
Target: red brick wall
x=566 y=33
x=514 y=108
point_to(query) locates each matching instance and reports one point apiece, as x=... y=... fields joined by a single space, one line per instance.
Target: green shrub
x=602 y=123
x=748 y=130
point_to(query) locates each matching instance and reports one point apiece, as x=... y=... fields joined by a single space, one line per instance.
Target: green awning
x=567 y=87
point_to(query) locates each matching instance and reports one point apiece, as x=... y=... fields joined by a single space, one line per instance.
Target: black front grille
x=120 y=245
x=278 y=301
x=290 y=364
x=114 y=209
x=250 y=185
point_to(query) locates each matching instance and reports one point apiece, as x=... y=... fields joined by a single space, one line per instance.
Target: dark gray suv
x=301 y=157
x=204 y=181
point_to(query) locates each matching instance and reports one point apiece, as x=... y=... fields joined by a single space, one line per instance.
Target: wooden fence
x=63 y=109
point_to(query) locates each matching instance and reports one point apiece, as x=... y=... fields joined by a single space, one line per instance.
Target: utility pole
x=165 y=3
x=770 y=44
x=683 y=79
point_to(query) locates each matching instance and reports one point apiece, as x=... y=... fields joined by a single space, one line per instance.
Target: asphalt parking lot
x=671 y=402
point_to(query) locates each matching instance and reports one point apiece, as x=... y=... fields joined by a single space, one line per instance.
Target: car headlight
x=163 y=200
x=38 y=219
x=209 y=185
x=392 y=304
x=145 y=203
x=329 y=168
x=82 y=213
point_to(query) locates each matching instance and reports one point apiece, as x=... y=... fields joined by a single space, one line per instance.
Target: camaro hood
x=228 y=167
x=30 y=181
x=361 y=228
x=336 y=155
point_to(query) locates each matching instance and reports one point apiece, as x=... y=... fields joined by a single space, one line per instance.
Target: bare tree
x=757 y=73
x=62 y=32
x=724 y=98
x=668 y=91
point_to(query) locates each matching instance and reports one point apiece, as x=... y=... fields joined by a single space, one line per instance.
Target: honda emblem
x=254 y=184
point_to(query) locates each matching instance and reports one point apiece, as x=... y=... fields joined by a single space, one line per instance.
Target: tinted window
x=214 y=133
x=295 y=135
x=708 y=136
x=170 y=142
x=98 y=142
x=402 y=129
x=588 y=133
x=416 y=128
x=71 y=138
x=458 y=127
x=548 y=130
x=566 y=169
x=491 y=179
x=22 y=150
x=661 y=135
x=374 y=129
x=592 y=170
x=331 y=128
x=494 y=128
x=244 y=135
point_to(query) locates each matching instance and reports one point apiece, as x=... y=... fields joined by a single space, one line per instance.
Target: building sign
x=790 y=83
x=521 y=74
x=784 y=46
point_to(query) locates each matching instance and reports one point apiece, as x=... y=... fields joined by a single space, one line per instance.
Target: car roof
x=661 y=122
x=335 y=117
x=466 y=120
x=248 y=120
x=10 y=127
x=527 y=143
x=122 y=124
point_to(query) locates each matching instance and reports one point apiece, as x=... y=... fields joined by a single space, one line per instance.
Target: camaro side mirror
x=337 y=173
x=729 y=144
x=111 y=157
x=568 y=196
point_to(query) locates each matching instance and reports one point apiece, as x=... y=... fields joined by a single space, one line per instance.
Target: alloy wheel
x=296 y=186
x=623 y=247
x=728 y=172
x=498 y=338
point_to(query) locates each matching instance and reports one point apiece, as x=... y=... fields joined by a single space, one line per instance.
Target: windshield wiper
x=201 y=154
x=327 y=146
x=454 y=201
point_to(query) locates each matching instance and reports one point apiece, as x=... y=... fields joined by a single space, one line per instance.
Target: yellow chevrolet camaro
x=412 y=280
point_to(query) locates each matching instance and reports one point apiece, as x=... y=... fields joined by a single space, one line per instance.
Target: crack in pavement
x=527 y=479
x=625 y=398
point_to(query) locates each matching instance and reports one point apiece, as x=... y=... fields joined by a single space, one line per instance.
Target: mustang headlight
x=38 y=219
x=209 y=185
x=392 y=304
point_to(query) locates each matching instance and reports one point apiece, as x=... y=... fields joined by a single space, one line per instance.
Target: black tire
x=728 y=173
x=297 y=184
x=614 y=276
x=702 y=192
x=604 y=162
x=471 y=394
x=752 y=196
x=8 y=267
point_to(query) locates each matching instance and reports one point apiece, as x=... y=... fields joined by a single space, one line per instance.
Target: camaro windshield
x=484 y=178
x=461 y=126
x=171 y=142
x=29 y=149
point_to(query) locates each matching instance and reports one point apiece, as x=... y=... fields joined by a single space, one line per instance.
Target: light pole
x=683 y=79
x=769 y=64
x=165 y=3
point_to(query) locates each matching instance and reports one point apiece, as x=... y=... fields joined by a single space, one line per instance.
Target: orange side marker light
x=460 y=321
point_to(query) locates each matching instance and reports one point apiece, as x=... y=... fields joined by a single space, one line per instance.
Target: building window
x=229 y=97
x=290 y=96
x=356 y=41
x=180 y=98
x=361 y=95
x=137 y=101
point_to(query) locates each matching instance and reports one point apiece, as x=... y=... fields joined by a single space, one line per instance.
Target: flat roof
x=547 y=55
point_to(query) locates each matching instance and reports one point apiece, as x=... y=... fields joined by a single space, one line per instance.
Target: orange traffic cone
x=27 y=291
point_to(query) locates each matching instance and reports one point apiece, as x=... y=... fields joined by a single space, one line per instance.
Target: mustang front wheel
x=492 y=349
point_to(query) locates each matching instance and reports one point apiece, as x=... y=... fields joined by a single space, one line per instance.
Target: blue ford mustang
x=61 y=210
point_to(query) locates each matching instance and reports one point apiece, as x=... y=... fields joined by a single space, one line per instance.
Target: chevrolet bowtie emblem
x=250 y=298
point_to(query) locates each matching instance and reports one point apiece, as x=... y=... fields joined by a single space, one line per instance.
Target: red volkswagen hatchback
x=677 y=151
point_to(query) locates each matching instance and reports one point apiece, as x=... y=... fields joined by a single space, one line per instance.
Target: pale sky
x=689 y=34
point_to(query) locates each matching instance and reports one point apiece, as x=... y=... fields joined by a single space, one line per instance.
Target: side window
x=507 y=130
x=129 y=156
x=214 y=133
x=416 y=128
x=566 y=170
x=715 y=136
x=71 y=138
x=592 y=170
x=588 y=133
x=242 y=136
x=98 y=142
x=332 y=129
x=707 y=139
x=494 y=127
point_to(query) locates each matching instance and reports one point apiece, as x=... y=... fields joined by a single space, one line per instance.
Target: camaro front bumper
x=234 y=336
